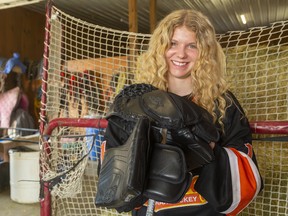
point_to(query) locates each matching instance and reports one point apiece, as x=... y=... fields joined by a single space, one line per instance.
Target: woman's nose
x=181 y=53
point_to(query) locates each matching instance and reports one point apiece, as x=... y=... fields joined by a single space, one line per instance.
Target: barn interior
x=23 y=41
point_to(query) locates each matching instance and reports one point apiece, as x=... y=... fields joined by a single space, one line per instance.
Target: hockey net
x=86 y=65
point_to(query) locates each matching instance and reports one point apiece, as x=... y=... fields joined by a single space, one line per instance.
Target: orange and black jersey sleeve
x=232 y=180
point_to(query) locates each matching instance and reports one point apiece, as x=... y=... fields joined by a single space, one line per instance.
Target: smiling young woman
x=185 y=58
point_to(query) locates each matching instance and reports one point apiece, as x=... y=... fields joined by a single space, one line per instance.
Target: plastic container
x=24 y=175
x=98 y=133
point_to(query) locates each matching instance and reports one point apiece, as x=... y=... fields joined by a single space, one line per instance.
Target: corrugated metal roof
x=224 y=14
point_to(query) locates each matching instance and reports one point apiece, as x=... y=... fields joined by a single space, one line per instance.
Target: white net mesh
x=257 y=68
x=89 y=64
x=63 y=161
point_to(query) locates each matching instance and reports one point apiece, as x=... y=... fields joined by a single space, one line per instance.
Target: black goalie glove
x=197 y=151
x=190 y=127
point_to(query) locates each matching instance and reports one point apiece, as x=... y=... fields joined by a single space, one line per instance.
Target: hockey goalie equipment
x=134 y=153
x=168 y=179
x=123 y=171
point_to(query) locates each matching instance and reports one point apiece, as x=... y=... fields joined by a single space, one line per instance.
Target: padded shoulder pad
x=191 y=112
x=162 y=109
x=172 y=111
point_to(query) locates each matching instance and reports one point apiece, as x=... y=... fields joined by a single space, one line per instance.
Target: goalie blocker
x=136 y=166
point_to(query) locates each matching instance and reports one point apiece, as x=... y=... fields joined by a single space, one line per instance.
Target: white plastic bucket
x=24 y=175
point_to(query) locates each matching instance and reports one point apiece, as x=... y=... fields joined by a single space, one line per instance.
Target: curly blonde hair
x=209 y=85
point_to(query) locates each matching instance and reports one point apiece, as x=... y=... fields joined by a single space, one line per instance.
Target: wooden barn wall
x=22 y=31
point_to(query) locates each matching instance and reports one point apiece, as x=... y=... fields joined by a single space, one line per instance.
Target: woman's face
x=182 y=54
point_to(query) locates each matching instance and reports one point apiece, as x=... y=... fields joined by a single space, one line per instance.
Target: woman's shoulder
x=231 y=98
x=232 y=103
x=229 y=95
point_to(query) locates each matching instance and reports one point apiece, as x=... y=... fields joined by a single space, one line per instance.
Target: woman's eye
x=192 y=46
x=173 y=44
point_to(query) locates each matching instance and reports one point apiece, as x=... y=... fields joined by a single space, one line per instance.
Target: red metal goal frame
x=257 y=127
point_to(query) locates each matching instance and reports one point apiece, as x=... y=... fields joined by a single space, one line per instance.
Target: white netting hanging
x=63 y=162
x=90 y=64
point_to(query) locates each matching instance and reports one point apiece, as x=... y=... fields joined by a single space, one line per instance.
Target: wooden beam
x=133 y=21
x=133 y=27
x=153 y=18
